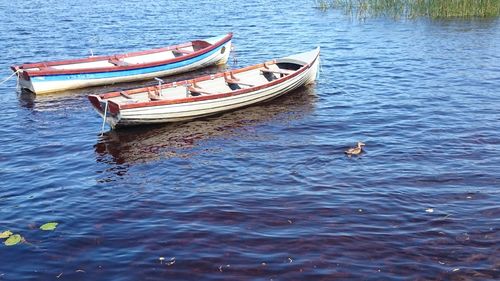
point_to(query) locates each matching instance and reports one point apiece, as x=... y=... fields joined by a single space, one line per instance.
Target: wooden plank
x=202 y=92
x=122 y=93
x=118 y=62
x=47 y=67
x=185 y=52
x=277 y=71
x=232 y=81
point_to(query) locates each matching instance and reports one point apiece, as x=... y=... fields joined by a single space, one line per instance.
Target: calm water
x=264 y=193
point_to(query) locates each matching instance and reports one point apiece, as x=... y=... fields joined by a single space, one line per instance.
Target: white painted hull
x=192 y=110
x=48 y=84
x=183 y=112
x=55 y=86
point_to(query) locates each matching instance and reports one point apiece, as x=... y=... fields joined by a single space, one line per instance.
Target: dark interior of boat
x=270 y=75
x=289 y=66
x=199 y=44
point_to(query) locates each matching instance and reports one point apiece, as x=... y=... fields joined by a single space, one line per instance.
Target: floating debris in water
x=171 y=262
x=49 y=226
x=5 y=234
x=447 y=216
x=13 y=240
x=227 y=266
x=430 y=210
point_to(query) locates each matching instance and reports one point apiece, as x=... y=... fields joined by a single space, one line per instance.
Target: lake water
x=266 y=192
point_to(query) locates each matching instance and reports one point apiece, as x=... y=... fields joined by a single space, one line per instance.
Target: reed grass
x=415 y=8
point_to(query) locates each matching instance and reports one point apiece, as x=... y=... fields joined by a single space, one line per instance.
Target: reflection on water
x=265 y=192
x=149 y=143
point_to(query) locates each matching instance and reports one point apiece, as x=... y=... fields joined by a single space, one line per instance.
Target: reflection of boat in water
x=143 y=144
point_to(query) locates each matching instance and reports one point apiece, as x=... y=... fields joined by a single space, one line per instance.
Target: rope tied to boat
x=320 y=71
x=104 y=118
x=10 y=76
x=233 y=52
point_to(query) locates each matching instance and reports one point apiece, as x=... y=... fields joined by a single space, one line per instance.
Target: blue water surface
x=266 y=192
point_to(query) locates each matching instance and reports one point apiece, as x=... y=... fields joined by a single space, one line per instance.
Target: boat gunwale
x=117 y=106
x=50 y=72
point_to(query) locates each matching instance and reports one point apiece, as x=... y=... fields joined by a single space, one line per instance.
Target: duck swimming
x=355 y=150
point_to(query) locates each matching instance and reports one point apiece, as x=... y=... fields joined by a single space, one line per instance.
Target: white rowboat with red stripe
x=207 y=95
x=52 y=76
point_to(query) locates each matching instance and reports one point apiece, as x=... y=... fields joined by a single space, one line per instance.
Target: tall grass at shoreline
x=415 y=8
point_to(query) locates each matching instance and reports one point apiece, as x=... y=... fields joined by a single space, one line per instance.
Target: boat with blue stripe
x=54 y=76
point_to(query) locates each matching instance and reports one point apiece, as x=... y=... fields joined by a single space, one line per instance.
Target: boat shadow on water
x=183 y=140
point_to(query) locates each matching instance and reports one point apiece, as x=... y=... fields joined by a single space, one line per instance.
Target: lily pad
x=5 y=234
x=49 y=226
x=13 y=240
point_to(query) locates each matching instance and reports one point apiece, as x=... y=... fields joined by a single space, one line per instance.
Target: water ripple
x=266 y=192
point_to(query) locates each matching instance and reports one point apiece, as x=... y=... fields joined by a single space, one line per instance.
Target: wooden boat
x=207 y=95
x=52 y=76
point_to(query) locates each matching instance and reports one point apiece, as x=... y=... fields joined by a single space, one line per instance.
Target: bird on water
x=355 y=150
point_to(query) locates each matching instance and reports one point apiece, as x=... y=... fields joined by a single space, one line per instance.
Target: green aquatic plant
x=5 y=234
x=13 y=240
x=415 y=8
x=49 y=226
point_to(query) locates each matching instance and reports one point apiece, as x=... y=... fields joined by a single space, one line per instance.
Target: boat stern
x=97 y=104
x=15 y=68
x=108 y=110
x=24 y=79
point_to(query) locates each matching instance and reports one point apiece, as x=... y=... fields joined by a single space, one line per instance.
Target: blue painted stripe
x=122 y=73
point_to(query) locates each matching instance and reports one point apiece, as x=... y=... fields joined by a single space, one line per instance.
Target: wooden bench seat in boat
x=122 y=93
x=277 y=71
x=231 y=79
x=181 y=51
x=198 y=91
x=234 y=81
x=47 y=67
x=118 y=62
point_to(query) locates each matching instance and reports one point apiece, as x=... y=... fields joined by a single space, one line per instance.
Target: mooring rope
x=8 y=78
x=104 y=118
x=233 y=52
x=320 y=70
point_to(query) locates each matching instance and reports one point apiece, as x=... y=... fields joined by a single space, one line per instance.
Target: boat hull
x=192 y=110
x=54 y=83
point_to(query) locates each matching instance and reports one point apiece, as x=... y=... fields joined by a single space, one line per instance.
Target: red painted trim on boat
x=183 y=82
x=25 y=76
x=44 y=72
x=101 y=58
x=203 y=98
x=94 y=100
x=113 y=108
